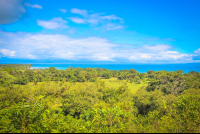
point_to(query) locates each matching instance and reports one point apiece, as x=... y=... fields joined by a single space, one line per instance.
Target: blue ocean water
x=141 y=68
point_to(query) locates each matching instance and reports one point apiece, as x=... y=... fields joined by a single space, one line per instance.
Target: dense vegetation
x=97 y=100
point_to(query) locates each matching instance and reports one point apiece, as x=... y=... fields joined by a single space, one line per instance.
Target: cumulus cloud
x=79 y=11
x=112 y=17
x=77 y=20
x=113 y=26
x=41 y=46
x=158 y=47
x=52 y=24
x=172 y=55
x=197 y=51
x=108 y=22
x=196 y=55
x=163 y=56
x=33 y=6
x=6 y=52
x=145 y=56
x=48 y=46
x=63 y=10
x=11 y=11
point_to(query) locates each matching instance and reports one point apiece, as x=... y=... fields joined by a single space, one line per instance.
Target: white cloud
x=93 y=21
x=79 y=11
x=102 y=58
x=77 y=20
x=197 y=54
x=112 y=17
x=197 y=51
x=170 y=55
x=157 y=38
x=145 y=56
x=63 y=10
x=158 y=47
x=168 y=39
x=172 y=52
x=7 y=52
x=72 y=31
x=48 y=46
x=30 y=56
x=33 y=6
x=133 y=58
x=41 y=46
x=113 y=26
x=52 y=24
x=108 y=22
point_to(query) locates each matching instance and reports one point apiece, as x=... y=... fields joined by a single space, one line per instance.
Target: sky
x=114 y=31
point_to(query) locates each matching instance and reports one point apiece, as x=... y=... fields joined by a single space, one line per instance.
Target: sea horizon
x=141 y=68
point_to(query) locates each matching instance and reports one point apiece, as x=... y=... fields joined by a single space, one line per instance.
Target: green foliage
x=183 y=117
x=6 y=79
x=173 y=82
x=15 y=66
x=147 y=101
x=21 y=117
x=112 y=120
x=187 y=110
x=79 y=100
x=108 y=76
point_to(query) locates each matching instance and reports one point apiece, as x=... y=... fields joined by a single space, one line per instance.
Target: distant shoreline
x=38 y=67
x=141 y=68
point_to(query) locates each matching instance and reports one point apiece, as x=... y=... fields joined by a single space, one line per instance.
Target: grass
x=31 y=89
x=114 y=83
x=110 y=83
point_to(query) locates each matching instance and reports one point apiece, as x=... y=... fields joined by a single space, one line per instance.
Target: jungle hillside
x=98 y=100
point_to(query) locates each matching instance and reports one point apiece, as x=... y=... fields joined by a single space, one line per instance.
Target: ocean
x=141 y=68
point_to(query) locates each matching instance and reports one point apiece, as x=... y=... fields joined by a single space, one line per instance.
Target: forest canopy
x=98 y=100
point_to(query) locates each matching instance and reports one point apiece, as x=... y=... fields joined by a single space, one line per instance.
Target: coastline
x=141 y=68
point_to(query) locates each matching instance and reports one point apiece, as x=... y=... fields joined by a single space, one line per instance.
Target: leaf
x=40 y=97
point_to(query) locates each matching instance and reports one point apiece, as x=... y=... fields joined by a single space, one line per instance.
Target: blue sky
x=128 y=31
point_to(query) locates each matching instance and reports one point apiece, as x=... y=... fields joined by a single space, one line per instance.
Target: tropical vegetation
x=96 y=100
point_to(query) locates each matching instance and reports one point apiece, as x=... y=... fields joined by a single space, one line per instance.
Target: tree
x=107 y=75
x=35 y=81
x=6 y=79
